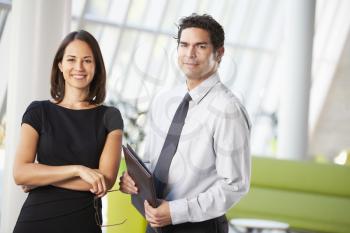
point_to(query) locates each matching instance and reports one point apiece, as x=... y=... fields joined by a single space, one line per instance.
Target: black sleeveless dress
x=66 y=137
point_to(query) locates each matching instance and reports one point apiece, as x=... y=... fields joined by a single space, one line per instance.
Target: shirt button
x=235 y=188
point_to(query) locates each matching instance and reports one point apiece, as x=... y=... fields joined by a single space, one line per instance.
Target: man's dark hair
x=97 y=89
x=206 y=22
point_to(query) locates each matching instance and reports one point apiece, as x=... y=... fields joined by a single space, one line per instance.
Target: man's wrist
x=179 y=211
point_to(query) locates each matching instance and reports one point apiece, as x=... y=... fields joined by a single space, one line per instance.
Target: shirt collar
x=198 y=93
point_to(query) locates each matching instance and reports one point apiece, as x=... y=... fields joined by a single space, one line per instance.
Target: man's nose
x=191 y=51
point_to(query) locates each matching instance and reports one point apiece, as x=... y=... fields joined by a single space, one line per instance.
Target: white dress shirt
x=210 y=171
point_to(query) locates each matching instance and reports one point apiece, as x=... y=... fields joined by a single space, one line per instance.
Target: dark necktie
x=161 y=170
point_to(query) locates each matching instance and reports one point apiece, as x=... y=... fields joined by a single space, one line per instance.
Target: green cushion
x=301 y=175
x=306 y=195
x=120 y=207
x=301 y=210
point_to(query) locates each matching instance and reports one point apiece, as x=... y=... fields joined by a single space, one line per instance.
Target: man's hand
x=127 y=184
x=158 y=217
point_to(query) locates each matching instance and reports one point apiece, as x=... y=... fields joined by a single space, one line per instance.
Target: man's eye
x=203 y=46
x=183 y=45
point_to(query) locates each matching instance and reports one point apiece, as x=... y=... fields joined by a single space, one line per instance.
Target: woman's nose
x=79 y=65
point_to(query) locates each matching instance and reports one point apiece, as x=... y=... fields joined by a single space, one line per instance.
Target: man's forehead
x=195 y=35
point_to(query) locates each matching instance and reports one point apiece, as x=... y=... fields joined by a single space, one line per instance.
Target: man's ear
x=219 y=53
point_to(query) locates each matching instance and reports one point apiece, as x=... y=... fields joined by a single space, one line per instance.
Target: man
x=198 y=142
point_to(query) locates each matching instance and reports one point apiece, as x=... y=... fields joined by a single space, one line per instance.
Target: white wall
x=35 y=31
x=332 y=132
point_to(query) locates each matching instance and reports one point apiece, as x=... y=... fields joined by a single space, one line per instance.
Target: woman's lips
x=79 y=76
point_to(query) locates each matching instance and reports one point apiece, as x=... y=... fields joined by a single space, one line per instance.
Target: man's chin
x=192 y=75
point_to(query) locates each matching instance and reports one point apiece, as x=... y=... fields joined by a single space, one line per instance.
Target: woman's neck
x=75 y=100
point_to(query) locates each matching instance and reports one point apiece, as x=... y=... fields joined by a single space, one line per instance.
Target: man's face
x=196 y=56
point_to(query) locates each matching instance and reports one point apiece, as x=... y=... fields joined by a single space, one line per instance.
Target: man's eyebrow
x=198 y=43
x=202 y=43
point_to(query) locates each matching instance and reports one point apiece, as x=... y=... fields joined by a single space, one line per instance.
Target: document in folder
x=143 y=179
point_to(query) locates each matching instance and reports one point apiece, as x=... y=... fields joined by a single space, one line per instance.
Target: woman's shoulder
x=112 y=117
x=109 y=110
x=108 y=107
x=33 y=115
x=36 y=105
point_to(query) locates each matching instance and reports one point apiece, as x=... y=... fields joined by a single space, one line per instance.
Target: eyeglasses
x=98 y=212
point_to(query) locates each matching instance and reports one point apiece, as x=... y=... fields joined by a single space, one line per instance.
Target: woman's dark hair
x=97 y=89
x=206 y=22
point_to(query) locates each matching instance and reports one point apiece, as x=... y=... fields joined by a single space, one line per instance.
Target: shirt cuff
x=179 y=211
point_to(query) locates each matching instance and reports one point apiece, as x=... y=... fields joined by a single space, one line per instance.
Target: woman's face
x=78 y=65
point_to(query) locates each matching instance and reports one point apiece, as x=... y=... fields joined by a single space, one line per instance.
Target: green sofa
x=308 y=196
x=120 y=208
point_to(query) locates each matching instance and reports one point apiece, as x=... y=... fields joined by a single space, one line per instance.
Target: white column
x=37 y=28
x=4 y=62
x=295 y=79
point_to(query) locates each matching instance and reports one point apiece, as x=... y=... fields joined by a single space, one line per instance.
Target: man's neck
x=194 y=82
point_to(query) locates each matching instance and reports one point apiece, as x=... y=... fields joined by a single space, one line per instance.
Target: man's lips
x=190 y=64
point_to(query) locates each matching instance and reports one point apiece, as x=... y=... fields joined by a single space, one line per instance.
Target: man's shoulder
x=224 y=96
x=228 y=105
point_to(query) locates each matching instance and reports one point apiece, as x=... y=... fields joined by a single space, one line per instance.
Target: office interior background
x=288 y=61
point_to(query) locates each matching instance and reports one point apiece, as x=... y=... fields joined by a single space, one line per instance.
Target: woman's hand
x=127 y=184
x=94 y=178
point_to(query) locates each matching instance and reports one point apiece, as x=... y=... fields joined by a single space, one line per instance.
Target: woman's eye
x=88 y=61
x=70 y=60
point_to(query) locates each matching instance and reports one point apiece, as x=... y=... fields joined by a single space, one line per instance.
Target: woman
x=75 y=140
